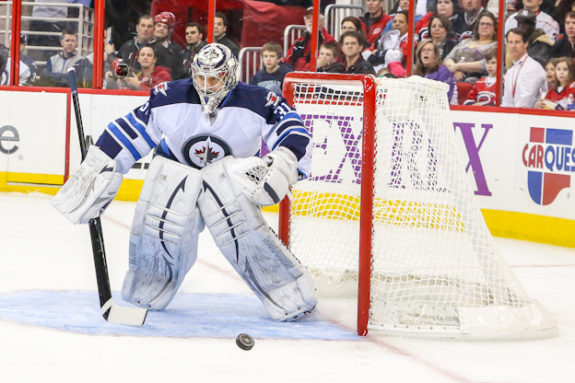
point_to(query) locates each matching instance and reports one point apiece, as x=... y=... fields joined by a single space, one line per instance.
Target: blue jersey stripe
x=125 y=141
x=297 y=143
x=127 y=128
x=291 y=115
x=108 y=144
x=140 y=128
x=285 y=124
x=289 y=131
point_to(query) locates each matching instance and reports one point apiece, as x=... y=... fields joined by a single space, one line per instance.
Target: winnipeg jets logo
x=161 y=88
x=272 y=99
x=200 y=151
x=206 y=154
x=211 y=57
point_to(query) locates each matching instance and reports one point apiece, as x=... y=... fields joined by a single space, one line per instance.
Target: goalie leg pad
x=90 y=189
x=164 y=235
x=239 y=230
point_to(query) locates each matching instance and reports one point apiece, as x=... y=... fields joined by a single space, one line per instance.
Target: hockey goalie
x=206 y=171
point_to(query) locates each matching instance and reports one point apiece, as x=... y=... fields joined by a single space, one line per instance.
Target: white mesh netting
x=434 y=266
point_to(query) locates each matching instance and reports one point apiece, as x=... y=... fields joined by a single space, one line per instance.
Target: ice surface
x=51 y=330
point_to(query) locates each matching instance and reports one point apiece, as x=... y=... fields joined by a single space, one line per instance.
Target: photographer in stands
x=144 y=35
x=146 y=78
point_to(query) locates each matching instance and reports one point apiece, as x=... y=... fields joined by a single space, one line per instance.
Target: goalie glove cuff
x=266 y=181
x=90 y=189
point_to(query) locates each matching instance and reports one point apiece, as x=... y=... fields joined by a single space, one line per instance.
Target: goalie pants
x=175 y=204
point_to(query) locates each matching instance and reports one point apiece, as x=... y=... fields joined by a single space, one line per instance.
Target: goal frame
x=468 y=290
x=368 y=83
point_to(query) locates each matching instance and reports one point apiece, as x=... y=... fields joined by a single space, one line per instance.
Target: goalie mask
x=214 y=75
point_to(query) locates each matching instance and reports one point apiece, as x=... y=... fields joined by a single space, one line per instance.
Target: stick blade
x=128 y=316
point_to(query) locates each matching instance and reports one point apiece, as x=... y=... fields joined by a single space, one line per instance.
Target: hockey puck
x=245 y=342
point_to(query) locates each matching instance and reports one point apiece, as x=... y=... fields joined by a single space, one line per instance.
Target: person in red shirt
x=374 y=21
x=483 y=91
x=298 y=55
x=562 y=96
x=150 y=74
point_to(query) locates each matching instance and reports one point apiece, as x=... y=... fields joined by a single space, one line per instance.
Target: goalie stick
x=131 y=316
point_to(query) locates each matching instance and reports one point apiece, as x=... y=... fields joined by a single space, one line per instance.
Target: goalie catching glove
x=90 y=189
x=266 y=181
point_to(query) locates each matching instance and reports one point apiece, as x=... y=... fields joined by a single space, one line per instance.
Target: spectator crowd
x=455 y=42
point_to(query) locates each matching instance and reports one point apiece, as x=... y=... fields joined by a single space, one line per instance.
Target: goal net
x=388 y=207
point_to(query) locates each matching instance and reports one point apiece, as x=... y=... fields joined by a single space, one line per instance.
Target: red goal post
x=368 y=86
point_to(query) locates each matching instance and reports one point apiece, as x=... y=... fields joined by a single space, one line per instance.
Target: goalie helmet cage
x=387 y=214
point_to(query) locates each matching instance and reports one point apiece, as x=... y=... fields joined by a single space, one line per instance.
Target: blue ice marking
x=189 y=315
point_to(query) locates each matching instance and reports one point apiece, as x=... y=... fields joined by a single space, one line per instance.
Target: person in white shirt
x=525 y=81
x=544 y=21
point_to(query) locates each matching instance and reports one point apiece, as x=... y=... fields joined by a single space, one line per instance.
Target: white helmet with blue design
x=214 y=70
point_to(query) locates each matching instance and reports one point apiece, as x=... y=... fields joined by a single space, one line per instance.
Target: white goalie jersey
x=172 y=120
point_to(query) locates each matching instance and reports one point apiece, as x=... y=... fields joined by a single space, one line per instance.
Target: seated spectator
x=562 y=95
x=194 y=42
x=56 y=71
x=441 y=35
x=169 y=57
x=144 y=36
x=560 y=11
x=220 y=29
x=351 y=24
x=28 y=69
x=272 y=75
x=565 y=44
x=550 y=72
x=27 y=60
x=483 y=92
x=351 y=45
x=392 y=46
x=446 y=8
x=374 y=20
x=148 y=77
x=299 y=54
x=543 y=20
x=428 y=64
x=540 y=44
x=421 y=20
x=328 y=58
x=466 y=60
x=464 y=22
x=525 y=81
